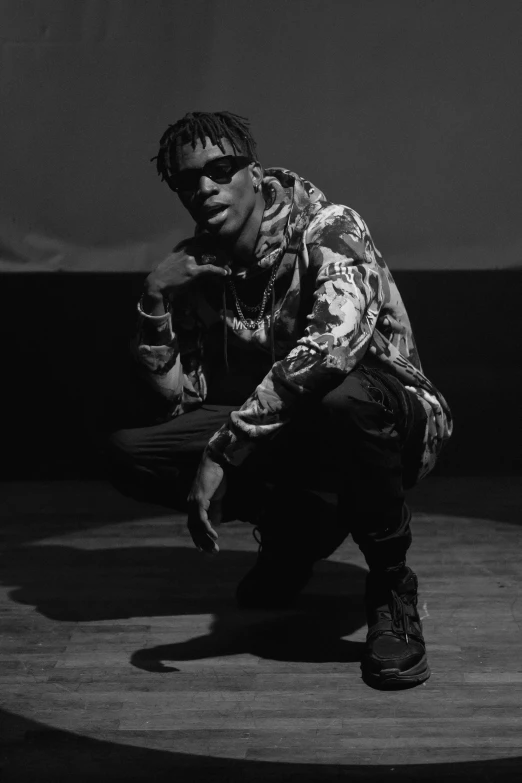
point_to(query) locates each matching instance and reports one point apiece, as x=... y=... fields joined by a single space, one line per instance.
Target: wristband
x=166 y=305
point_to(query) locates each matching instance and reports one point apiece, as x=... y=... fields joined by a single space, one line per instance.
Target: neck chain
x=258 y=311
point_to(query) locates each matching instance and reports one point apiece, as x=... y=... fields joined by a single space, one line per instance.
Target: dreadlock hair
x=216 y=126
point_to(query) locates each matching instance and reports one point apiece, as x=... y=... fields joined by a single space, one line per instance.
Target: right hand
x=180 y=268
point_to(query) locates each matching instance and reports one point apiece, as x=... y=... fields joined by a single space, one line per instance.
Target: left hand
x=205 y=504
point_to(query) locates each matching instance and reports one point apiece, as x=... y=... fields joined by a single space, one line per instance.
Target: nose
x=207 y=186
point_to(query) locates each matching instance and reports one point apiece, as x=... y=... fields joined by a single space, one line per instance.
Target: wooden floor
x=122 y=656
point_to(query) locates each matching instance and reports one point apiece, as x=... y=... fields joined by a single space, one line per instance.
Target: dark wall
x=66 y=341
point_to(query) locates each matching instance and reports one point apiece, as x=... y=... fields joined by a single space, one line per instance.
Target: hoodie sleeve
x=157 y=350
x=347 y=300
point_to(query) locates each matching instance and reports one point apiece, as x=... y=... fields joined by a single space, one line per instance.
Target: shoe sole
x=394 y=679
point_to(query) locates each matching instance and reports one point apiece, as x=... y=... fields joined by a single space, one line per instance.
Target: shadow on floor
x=77 y=585
x=34 y=753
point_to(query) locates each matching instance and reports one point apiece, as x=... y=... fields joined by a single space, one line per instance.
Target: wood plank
x=117 y=638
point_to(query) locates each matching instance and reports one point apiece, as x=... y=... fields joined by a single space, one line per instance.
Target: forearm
x=156 y=347
x=269 y=408
x=339 y=331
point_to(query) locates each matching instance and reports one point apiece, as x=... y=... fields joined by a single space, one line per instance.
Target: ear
x=256 y=172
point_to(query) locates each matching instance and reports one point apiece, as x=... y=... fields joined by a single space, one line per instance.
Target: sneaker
x=275 y=581
x=395 y=652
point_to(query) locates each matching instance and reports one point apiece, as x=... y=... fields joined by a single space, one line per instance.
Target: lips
x=211 y=211
x=214 y=217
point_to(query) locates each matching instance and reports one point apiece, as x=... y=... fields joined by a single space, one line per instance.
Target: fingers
x=215 y=512
x=202 y=533
x=204 y=541
x=212 y=269
x=392 y=322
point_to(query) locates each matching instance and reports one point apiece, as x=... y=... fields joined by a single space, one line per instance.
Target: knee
x=125 y=466
x=358 y=408
x=124 y=446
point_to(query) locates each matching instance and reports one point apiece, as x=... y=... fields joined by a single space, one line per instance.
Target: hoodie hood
x=286 y=196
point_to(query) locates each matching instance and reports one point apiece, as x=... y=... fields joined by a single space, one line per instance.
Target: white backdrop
x=407 y=110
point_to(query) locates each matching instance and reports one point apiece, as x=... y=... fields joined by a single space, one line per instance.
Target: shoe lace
x=399 y=615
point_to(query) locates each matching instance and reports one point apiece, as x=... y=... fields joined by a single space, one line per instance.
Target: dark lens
x=221 y=170
x=185 y=180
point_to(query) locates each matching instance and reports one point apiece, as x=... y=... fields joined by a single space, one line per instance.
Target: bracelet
x=166 y=305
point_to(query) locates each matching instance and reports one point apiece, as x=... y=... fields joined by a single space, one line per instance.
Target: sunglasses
x=220 y=170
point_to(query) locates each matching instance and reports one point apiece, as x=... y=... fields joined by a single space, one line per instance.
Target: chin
x=224 y=231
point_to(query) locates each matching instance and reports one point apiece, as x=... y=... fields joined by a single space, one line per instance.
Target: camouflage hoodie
x=332 y=293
